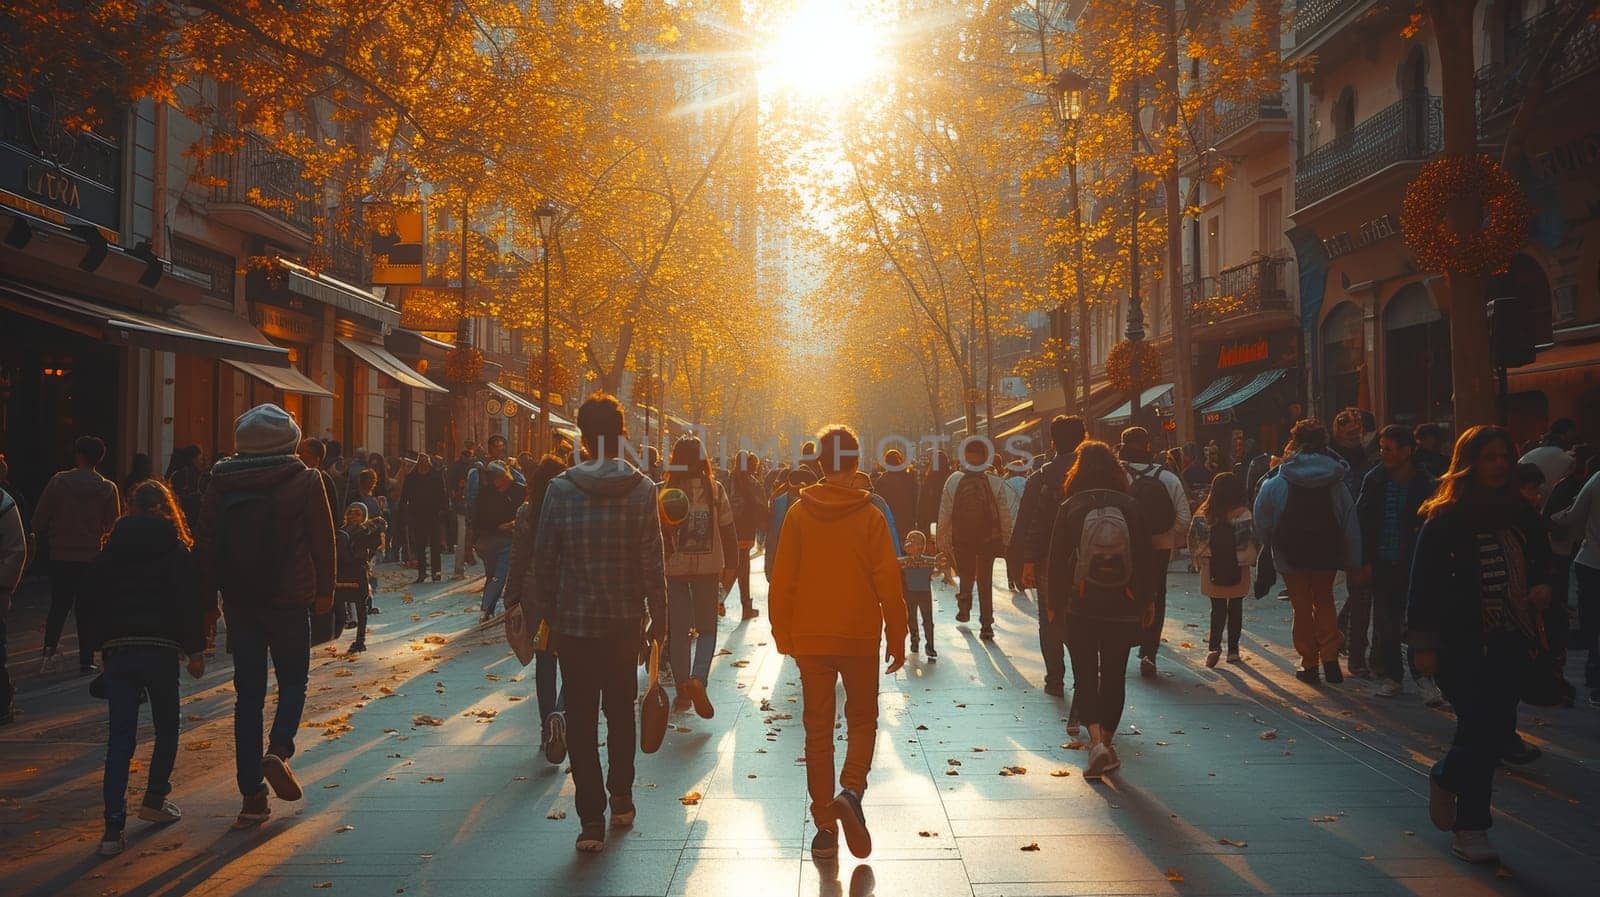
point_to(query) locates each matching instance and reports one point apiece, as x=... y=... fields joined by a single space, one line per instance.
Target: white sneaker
x=1474 y=847
x=1100 y=759
x=1390 y=689
x=1431 y=695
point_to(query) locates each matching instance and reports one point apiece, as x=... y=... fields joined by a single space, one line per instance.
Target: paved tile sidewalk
x=1314 y=809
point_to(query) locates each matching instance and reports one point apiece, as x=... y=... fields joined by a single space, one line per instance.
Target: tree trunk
x=1182 y=388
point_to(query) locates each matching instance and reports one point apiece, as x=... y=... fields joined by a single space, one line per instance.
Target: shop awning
x=286 y=379
x=1019 y=408
x=380 y=359
x=1124 y=412
x=1560 y=357
x=331 y=291
x=1214 y=390
x=1253 y=387
x=121 y=327
x=410 y=342
x=556 y=420
x=1023 y=427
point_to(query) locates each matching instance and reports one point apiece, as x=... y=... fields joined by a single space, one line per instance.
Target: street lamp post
x=547 y=217
x=1135 y=329
x=1067 y=91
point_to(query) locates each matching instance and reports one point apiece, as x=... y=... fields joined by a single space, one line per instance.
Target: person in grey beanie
x=265 y=539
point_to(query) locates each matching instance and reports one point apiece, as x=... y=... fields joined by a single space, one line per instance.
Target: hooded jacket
x=300 y=507
x=597 y=556
x=76 y=510
x=1315 y=470
x=837 y=587
x=144 y=590
x=13 y=548
x=784 y=502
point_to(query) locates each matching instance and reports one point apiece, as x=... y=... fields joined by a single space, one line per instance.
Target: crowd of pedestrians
x=1456 y=572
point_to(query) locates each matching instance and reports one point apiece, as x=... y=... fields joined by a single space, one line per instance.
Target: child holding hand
x=917 y=567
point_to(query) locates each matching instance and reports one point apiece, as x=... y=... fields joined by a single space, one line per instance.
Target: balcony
x=1255 y=286
x=1248 y=128
x=343 y=253
x=261 y=185
x=1408 y=131
x=1313 y=19
x=1501 y=85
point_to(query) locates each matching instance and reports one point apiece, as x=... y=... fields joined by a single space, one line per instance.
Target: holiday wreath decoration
x=1425 y=222
x=1119 y=365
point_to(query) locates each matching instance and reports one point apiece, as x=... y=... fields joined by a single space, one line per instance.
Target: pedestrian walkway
x=421 y=766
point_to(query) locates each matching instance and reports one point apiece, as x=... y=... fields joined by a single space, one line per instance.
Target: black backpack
x=1225 y=570
x=249 y=568
x=1308 y=536
x=974 y=518
x=1154 y=501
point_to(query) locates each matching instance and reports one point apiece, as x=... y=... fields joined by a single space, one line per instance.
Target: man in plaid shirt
x=599 y=564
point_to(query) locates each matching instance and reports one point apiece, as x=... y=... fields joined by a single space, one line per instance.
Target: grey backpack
x=1105 y=550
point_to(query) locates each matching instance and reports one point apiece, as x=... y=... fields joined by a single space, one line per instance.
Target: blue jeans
x=284 y=634
x=129 y=671
x=495 y=551
x=691 y=603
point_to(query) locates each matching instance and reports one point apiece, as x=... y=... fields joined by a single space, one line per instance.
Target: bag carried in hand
x=1105 y=550
x=520 y=635
x=974 y=518
x=249 y=566
x=654 y=708
x=1155 y=502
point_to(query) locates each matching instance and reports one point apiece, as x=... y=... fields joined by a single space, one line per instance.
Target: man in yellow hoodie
x=836 y=594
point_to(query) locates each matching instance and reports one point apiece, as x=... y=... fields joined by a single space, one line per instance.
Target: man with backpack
x=975 y=514
x=1036 y=518
x=1164 y=508
x=266 y=541
x=1306 y=514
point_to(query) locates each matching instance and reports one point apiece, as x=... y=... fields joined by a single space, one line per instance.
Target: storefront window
x=1343 y=351
x=1416 y=358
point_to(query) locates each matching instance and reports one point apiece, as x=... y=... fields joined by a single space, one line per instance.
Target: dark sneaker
x=1213 y=658
x=701 y=700
x=1055 y=689
x=915 y=646
x=373 y=611
x=825 y=845
x=1330 y=671
x=555 y=738
x=623 y=812
x=357 y=647
x=276 y=771
x=1441 y=804
x=847 y=809
x=112 y=842
x=592 y=838
x=255 y=811
x=1233 y=657
x=160 y=810
x=1147 y=667
x=986 y=634
x=1309 y=676
x=933 y=653
x=963 y=613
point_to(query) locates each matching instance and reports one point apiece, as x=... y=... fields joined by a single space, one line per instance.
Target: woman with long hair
x=699 y=549
x=1478 y=585
x=1222 y=541
x=1101 y=584
x=519 y=585
x=146 y=614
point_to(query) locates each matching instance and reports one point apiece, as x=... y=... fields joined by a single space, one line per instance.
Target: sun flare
x=825 y=51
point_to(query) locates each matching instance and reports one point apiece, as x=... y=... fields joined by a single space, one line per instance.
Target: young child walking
x=359 y=539
x=146 y=615
x=917 y=567
x=836 y=597
x=1222 y=541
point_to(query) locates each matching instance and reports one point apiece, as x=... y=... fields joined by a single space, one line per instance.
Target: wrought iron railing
x=1230 y=120
x=346 y=249
x=1256 y=285
x=1408 y=130
x=1501 y=85
x=1311 y=16
x=260 y=175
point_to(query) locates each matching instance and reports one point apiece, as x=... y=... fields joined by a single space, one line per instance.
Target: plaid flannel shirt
x=598 y=553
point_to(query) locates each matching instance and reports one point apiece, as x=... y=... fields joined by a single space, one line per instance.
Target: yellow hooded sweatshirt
x=836 y=589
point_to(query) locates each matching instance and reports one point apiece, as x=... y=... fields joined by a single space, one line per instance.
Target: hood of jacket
x=609 y=478
x=1312 y=469
x=140 y=537
x=254 y=471
x=830 y=502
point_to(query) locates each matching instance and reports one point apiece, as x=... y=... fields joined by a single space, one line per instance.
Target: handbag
x=654 y=708
x=520 y=636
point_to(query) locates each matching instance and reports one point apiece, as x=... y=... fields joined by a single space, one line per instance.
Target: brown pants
x=1316 y=621
x=819 y=675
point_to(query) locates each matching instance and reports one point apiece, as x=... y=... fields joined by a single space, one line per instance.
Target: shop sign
x=1230 y=355
x=1217 y=417
x=1580 y=154
x=281 y=323
x=1370 y=232
x=395 y=234
x=57 y=173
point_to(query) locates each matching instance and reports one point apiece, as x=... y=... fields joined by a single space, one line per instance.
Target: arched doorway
x=1525 y=281
x=1416 y=358
x=1343 y=356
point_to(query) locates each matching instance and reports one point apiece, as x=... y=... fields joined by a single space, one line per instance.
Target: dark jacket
x=750 y=507
x=1369 y=510
x=1065 y=594
x=13 y=549
x=300 y=506
x=929 y=497
x=493 y=509
x=1444 y=610
x=144 y=590
x=899 y=489
x=1358 y=459
x=422 y=498
x=1036 y=516
x=356 y=547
